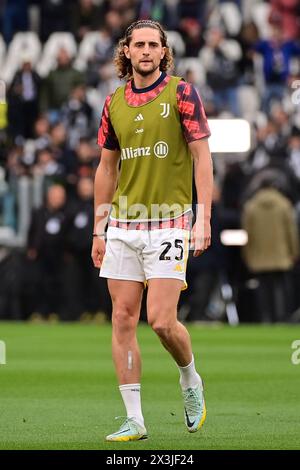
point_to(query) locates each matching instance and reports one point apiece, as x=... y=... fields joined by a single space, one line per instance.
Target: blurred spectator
x=48 y=167
x=64 y=156
x=55 y=16
x=59 y=144
x=23 y=101
x=107 y=82
x=81 y=162
x=286 y=12
x=151 y=9
x=280 y=175
x=1 y=15
x=41 y=132
x=126 y=10
x=87 y=158
x=230 y=207
x=231 y=194
x=192 y=77
x=294 y=153
x=271 y=144
x=85 y=17
x=220 y=58
x=247 y=37
x=15 y=18
x=160 y=10
x=7 y=204
x=46 y=242
x=3 y=121
x=77 y=116
x=192 y=19
x=191 y=31
x=116 y=23
x=82 y=288
x=205 y=273
x=104 y=47
x=193 y=9
x=103 y=53
x=59 y=84
x=205 y=93
x=277 y=54
x=272 y=250
x=281 y=119
x=10 y=286
x=19 y=164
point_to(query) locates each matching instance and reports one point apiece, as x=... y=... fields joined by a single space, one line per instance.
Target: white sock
x=131 y=394
x=189 y=376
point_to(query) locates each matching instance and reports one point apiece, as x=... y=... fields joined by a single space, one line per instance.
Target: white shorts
x=139 y=255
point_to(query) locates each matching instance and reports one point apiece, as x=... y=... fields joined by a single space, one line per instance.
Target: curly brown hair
x=123 y=65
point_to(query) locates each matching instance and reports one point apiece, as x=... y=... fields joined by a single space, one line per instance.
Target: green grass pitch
x=58 y=389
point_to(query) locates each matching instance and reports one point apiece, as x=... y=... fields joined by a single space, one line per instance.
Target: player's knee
x=123 y=318
x=161 y=328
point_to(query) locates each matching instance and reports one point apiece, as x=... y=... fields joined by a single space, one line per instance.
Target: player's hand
x=98 y=251
x=200 y=238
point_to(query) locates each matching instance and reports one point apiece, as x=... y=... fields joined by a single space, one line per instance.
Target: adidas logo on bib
x=139 y=117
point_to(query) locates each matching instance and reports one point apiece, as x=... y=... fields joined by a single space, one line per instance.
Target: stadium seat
x=86 y=49
x=176 y=42
x=231 y=48
x=22 y=45
x=260 y=15
x=96 y=101
x=2 y=54
x=259 y=80
x=231 y=17
x=51 y=48
x=248 y=102
x=194 y=64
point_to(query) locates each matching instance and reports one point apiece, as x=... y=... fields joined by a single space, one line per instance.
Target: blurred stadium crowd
x=55 y=71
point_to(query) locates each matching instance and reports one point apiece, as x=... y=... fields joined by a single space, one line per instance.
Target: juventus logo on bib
x=166 y=110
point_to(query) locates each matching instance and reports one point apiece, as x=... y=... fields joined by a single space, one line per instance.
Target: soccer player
x=153 y=131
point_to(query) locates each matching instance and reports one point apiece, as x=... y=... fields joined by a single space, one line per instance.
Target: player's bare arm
x=203 y=175
x=106 y=179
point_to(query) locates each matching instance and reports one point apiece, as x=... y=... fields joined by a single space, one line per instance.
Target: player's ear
x=126 y=52
x=163 y=53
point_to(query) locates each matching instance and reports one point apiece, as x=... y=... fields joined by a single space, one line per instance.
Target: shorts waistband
x=183 y=222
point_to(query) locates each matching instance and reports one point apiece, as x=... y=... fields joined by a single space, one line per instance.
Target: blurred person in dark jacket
x=192 y=33
x=48 y=167
x=15 y=17
x=82 y=279
x=294 y=153
x=41 y=133
x=277 y=54
x=86 y=16
x=272 y=250
x=204 y=273
x=271 y=145
x=77 y=116
x=54 y=16
x=23 y=101
x=87 y=158
x=220 y=57
x=288 y=13
x=46 y=243
x=60 y=146
x=58 y=85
